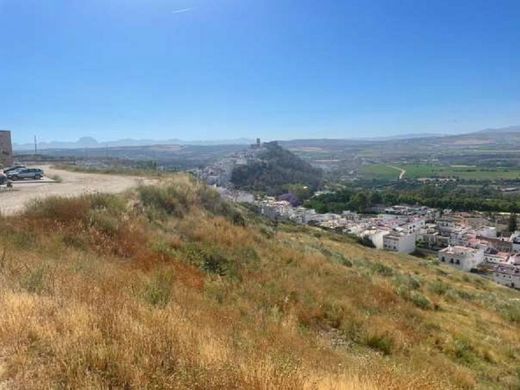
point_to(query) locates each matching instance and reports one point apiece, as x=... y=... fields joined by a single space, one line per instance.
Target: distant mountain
x=89 y=142
x=405 y=136
x=510 y=129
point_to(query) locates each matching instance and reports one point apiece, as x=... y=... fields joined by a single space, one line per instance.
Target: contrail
x=181 y=11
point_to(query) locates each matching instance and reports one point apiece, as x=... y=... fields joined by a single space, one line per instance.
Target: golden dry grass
x=167 y=288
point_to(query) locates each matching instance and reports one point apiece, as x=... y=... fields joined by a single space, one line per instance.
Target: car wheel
x=14 y=177
x=37 y=177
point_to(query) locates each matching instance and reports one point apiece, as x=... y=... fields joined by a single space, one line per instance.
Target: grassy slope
x=169 y=288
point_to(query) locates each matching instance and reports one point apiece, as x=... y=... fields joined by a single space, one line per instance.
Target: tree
x=359 y=202
x=512 y=224
x=375 y=198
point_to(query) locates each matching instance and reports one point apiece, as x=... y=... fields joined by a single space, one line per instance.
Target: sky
x=276 y=69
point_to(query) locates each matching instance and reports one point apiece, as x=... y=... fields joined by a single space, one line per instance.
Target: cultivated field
x=416 y=171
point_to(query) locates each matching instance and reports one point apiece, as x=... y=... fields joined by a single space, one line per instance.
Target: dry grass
x=166 y=288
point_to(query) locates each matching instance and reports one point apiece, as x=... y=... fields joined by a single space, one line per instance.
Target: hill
x=274 y=171
x=170 y=287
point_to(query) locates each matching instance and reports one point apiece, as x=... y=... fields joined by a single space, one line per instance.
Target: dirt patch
x=72 y=184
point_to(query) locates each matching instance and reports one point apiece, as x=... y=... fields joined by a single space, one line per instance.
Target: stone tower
x=6 y=148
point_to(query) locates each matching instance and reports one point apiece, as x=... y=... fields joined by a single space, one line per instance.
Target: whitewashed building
x=399 y=242
x=461 y=257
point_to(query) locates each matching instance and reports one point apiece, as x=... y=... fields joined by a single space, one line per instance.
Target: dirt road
x=73 y=184
x=402 y=172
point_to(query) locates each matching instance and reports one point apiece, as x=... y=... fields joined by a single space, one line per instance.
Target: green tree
x=375 y=198
x=512 y=224
x=359 y=202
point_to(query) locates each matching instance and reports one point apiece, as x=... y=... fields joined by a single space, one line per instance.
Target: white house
x=461 y=257
x=414 y=226
x=446 y=224
x=493 y=256
x=399 y=242
x=376 y=236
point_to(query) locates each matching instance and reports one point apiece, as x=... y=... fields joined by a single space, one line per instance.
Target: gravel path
x=73 y=184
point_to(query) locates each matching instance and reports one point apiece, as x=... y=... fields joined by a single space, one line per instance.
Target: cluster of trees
x=277 y=171
x=444 y=197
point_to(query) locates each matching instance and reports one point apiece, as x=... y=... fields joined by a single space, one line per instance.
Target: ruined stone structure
x=6 y=148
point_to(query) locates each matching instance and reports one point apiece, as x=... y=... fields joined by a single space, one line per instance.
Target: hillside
x=274 y=171
x=170 y=287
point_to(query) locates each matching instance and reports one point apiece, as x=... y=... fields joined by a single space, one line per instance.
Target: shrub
x=208 y=259
x=215 y=264
x=380 y=342
x=59 y=209
x=408 y=281
x=382 y=269
x=158 y=290
x=340 y=259
x=463 y=351
x=420 y=300
x=439 y=287
x=416 y=297
x=161 y=198
x=511 y=311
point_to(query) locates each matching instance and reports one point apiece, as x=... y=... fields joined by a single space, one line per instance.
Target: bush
x=439 y=287
x=511 y=311
x=158 y=290
x=340 y=259
x=408 y=281
x=382 y=269
x=208 y=259
x=59 y=209
x=161 y=198
x=420 y=300
x=463 y=351
x=380 y=342
x=416 y=297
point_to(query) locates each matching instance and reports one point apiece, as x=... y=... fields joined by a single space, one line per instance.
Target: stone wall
x=6 y=148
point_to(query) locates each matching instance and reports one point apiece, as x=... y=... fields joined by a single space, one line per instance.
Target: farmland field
x=461 y=172
x=416 y=171
x=380 y=172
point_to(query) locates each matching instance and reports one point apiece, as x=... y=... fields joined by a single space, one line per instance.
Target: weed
x=34 y=280
x=158 y=291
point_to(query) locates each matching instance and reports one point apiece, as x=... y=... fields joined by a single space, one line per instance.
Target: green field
x=380 y=172
x=415 y=171
x=461 y=172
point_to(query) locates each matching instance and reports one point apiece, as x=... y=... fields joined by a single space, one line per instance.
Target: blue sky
x=279 y=69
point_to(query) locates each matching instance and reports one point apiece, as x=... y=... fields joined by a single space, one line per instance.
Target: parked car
x=13 y=168
x=25 y=173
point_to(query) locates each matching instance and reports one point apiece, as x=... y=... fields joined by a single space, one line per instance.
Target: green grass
x=462 y=172
x=380 y=172
x=416 y=171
